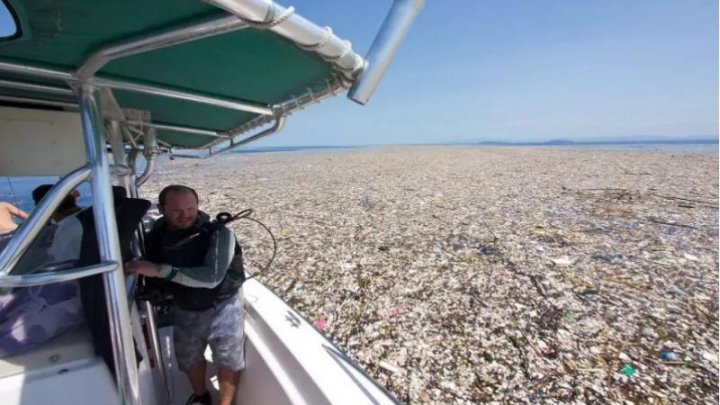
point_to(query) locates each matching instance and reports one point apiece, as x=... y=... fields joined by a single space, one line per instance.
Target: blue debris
x=668 y=356
x=486 y=250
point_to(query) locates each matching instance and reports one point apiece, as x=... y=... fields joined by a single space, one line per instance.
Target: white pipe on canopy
x=265 y=14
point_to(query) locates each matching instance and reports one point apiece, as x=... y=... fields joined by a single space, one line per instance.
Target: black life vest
x=187 y=248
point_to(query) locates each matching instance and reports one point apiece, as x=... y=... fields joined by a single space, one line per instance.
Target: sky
x=7 y=25
x=516 y=70
x=519 y=70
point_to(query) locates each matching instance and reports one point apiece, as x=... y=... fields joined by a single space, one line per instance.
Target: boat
x=98 y=92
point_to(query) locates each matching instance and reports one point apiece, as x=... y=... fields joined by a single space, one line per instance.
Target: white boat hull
x=287 y=362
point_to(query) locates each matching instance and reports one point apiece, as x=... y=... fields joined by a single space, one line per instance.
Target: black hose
x=225 y=218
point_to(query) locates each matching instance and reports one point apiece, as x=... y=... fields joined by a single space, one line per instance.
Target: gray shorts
x=221 y=327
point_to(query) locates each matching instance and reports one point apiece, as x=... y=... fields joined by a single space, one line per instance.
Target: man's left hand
x=143 y=267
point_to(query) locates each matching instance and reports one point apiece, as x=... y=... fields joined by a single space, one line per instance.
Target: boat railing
x=21 y=240
x=97 y=172
x=29 y=280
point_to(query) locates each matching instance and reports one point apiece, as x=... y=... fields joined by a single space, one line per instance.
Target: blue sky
x=7 y=25
x=521 y=70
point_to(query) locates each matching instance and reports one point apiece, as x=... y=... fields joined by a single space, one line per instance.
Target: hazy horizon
x=639 y=140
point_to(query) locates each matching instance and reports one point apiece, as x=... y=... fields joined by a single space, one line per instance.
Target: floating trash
x=675 y=290
x=486 y=250
x=607 y=257
x=563 y=261
x=629 y=371
x=469 y=303
x=669 y=356
x=320 y=324
x=393 y=312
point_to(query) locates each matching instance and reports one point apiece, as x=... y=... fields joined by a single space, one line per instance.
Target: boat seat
x=75 y=344
x=63 y=370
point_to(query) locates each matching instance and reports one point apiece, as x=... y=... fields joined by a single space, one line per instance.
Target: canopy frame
x=84 y=87
x=350 y=69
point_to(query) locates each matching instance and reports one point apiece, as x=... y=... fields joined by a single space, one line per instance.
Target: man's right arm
x=212 y=271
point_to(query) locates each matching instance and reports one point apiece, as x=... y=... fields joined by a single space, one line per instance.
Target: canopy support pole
x=384 y=47
x=149 y=152
x=126 y=373
x=111 y=109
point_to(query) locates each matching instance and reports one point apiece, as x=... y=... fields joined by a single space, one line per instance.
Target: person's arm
x=212 y=271
x=18 y=212
x=13 y=210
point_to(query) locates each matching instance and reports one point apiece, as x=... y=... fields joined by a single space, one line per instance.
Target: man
x=204 y=267
x=7 y=212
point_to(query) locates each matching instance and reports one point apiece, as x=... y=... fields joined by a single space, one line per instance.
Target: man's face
x=180 y=210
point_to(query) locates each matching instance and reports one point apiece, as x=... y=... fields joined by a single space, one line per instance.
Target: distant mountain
x=562 y=142
x=552 y=142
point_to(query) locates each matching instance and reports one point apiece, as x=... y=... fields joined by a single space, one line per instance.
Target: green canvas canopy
x=258 y=62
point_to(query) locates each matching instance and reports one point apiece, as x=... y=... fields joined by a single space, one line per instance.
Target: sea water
x=18 y=190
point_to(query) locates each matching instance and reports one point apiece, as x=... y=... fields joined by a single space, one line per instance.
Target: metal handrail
x=277 y=126
x=282 y=110
x=22 y=239
x=28 y=280
x=137 y=88
x=64 y=91
x=332 y=88
x=176 y=128
x=174 y=36
x=230 y=104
